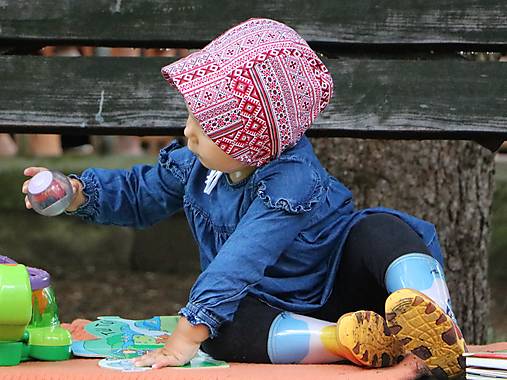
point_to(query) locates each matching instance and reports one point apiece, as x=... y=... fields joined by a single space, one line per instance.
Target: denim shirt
x=277 y=235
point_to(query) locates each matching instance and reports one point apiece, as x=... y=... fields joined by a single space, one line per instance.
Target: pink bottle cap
x=40 y=182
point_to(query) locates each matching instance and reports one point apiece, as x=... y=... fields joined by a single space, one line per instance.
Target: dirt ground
x=129 y=294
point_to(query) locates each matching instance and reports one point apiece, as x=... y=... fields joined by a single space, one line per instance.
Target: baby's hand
x=181 y=346
x=77 y=188
x=176 y=352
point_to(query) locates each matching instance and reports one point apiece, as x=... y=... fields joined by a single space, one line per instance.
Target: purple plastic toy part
x=39 y=279
x=6 y=260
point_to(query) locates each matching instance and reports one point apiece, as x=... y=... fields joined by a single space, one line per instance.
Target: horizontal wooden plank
x=177 y=22
x=372 y=98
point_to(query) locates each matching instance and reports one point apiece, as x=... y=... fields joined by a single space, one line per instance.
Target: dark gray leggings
x=373 y=243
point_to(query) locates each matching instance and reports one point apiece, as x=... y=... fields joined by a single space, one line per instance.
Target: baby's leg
x=244 y=340
x=262 y=334
x=383 y=255
x=372 y=245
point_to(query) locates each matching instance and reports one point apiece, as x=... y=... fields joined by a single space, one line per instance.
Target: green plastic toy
x=29 y=325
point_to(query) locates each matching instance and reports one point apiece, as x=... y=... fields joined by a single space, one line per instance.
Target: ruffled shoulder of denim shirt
x=289 y=183
x=178 y=160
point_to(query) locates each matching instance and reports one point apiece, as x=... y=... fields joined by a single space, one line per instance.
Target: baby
x=291 y=272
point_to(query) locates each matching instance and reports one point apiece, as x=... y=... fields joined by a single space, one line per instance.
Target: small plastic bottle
x=50 y=192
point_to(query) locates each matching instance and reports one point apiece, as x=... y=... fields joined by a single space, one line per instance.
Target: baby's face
x=210 y=155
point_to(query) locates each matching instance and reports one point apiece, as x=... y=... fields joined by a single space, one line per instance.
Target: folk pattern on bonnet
x=255 y=89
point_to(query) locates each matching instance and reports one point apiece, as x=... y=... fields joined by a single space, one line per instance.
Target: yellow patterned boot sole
x=427 y=331
x=364 y=339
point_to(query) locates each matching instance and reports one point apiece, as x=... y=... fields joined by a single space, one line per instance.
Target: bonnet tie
x=212 y=180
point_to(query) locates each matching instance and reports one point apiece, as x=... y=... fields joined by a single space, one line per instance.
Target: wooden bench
x=397 y=70
x=401 y=71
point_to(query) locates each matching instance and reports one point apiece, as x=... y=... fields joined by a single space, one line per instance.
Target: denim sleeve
x=138 y=197
x=268 y=228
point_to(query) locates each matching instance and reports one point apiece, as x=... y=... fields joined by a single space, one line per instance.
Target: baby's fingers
x=28 y=205
x=32 y=170
x=157 y=359
x=146 y=360
x=24 y=188
x=166 y=361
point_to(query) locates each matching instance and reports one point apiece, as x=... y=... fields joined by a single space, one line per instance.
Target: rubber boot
x=362 y=338
x=423 y=273
x=419 y=313
x=424 y=329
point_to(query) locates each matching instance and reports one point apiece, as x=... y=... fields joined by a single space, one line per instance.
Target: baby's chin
x=204 y=163
x=222 y=169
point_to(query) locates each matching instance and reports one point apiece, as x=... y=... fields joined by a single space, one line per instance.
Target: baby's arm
x=258 y=242
x=240 y=263
x=139 y=197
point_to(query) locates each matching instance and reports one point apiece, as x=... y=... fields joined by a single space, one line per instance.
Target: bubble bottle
x=50 y=192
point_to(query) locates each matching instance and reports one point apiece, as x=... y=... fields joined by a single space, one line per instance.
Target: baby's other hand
x=176 y=352
x=181 y=346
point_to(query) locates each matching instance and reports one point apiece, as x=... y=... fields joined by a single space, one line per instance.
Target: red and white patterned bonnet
x=255 y=89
